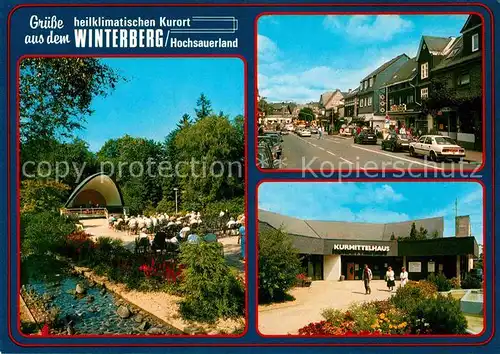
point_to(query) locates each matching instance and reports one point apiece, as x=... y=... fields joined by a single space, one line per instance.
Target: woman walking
x=403 y=276
x=389 y=278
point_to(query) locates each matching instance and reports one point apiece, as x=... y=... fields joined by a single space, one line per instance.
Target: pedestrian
x=358 y=130
x=403 y=277
x=320 y=132
x=389 y=278
x=367 y=277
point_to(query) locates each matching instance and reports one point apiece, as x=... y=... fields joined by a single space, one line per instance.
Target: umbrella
x=185 y=229
x=221 y=214
x=193 y=238
x=171 y=223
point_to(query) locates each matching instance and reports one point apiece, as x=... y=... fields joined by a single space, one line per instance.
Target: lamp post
x=176 y=208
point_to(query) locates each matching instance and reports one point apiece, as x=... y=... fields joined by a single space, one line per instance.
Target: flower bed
x=415 y=309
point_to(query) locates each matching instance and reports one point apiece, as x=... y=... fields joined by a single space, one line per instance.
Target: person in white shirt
x=403 y=276
x=389 y=277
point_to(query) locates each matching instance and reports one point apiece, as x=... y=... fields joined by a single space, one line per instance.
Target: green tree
x=41 y=196
x=184 y=122
x=306 y=114
x=212 y=161
x=204 y=107
x=56 y=94
x=279 y=265
x=413 y=232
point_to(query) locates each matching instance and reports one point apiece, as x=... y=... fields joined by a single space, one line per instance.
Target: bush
x=43 y=232
x=409 y=297
x=279 y=265
x=455 y=283
x=471 y=282
x=441 y=282
x=438 y=315
x=211 y=290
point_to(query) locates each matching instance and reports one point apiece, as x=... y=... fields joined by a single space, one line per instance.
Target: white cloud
x=282 y=80
x=267 y=50
x=368 y=28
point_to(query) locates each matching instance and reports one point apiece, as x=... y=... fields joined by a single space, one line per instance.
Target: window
x=391 y=101
x=410 y=99
x=369 y=101
x=463 y=79
x=366 y=85
x=475 y=42
x=361 y=103
x=424 y=71
x=428 y=140
x=424 y=93
x=400 y=99
x=371 y=82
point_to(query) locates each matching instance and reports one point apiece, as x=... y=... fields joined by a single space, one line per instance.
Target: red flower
x=45 y=330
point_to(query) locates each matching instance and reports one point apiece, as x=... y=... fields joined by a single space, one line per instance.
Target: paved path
x=340 y=153
x=99 y=228
x=288 y=318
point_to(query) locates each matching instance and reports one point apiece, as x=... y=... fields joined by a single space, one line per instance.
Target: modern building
x=332 y=250
x=96 y=195
x=371 y=95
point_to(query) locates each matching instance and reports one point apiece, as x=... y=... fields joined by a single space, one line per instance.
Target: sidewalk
x=474 y=156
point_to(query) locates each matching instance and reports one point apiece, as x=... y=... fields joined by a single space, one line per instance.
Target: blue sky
x=302 y=56
x=376 y=202
x=159 y=91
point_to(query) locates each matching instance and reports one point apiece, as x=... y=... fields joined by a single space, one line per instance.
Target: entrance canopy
x=96 y=191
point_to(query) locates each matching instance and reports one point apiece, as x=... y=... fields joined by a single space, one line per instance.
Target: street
x=340 y=153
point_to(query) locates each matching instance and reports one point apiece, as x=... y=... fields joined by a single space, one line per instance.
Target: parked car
x=365 y=137
x=265 y=158
x=275 y=135
x=396 y=142
x=314 y=130
x=304 y=133
x=274 y=144
x=346 y=131
x=284 y=132
x=437 y=147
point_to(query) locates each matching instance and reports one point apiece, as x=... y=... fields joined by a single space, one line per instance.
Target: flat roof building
x=332 y=250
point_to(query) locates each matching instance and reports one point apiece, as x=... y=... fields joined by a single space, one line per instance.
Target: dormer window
x=475 y=42
x=366 y=84
x=424 y=71
x=371 y=82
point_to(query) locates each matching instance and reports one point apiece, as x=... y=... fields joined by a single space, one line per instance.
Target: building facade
x=332 y=250
x=371 y=95
x=459 y=76
x=351 y=104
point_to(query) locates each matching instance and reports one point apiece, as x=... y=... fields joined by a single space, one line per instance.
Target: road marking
x=349 y=162
x=397 y=157
x=321 y=148
x=331 y=153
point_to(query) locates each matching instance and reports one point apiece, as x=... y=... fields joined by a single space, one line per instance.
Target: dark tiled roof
x=341 y=230
x=352 y=93
x=406 y=72
x=325 y=97
x=436 y=44
x=455 y=56
x=384 y=66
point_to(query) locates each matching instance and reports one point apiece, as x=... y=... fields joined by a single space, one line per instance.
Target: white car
x=305 y=132
x=437 y=147
x=345 y=131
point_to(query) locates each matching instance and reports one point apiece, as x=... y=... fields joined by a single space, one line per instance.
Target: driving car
x=274 y=143
x=437 y=147
x=304 y=133
x=265 y=158
x=396 y=142
x=365 y=137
